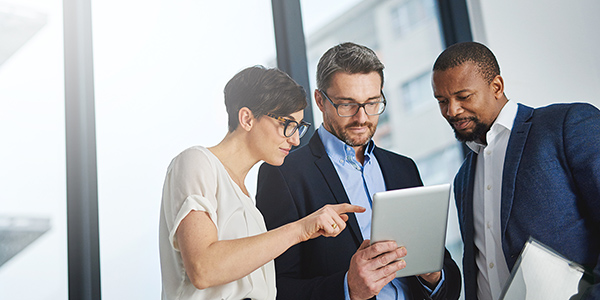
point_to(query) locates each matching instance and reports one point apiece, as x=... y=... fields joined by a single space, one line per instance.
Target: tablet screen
x=415 y=218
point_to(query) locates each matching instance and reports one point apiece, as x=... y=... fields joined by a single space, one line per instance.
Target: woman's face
x=269 y=141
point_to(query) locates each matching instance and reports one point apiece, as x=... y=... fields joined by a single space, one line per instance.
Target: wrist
x=295 y=232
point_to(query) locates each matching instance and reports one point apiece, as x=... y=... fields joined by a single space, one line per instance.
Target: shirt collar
x=504 y=121
x=338 y=149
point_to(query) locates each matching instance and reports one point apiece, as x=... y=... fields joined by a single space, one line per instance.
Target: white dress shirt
x=492 y=268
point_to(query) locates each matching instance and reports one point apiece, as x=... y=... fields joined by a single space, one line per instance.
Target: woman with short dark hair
x=213 y=240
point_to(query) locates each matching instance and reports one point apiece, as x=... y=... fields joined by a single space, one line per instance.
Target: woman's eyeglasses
x=288 y=130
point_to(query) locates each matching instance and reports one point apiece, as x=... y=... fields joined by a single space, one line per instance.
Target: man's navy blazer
x=307 y=181
x=550 y=188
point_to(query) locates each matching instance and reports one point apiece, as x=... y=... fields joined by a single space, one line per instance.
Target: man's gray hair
x=350 y=58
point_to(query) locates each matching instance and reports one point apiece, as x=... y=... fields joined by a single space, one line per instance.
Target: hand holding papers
x=541 y=273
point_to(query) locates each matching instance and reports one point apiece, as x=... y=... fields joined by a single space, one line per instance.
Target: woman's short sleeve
x=190 y=185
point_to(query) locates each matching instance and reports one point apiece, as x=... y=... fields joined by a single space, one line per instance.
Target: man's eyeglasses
x=288 y=130
x=372 y=108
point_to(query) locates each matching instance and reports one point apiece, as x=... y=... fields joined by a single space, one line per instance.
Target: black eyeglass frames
x=288 y=130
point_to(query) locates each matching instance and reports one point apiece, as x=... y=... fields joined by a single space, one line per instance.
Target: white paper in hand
x=540 y=273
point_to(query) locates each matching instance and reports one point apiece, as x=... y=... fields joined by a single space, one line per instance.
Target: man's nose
x=361 y=115
x=454 y=108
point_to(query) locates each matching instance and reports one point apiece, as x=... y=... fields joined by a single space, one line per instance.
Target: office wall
x=546 y=48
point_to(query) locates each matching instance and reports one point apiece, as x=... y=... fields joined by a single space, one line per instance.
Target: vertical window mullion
x=82 y=187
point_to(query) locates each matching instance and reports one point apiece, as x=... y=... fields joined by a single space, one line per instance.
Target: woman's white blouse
x=197 y=180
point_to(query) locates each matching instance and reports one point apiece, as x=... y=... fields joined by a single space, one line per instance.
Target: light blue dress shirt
x=361 y=182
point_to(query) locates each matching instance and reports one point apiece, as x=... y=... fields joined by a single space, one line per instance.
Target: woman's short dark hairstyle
x=347 y=57
x=474 y=52
x=263 y=91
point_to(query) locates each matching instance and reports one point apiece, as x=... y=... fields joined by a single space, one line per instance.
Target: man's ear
x=497 y=86
x=246 y=118
x=319 y=98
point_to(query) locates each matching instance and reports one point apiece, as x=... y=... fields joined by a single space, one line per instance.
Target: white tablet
x=415 y=218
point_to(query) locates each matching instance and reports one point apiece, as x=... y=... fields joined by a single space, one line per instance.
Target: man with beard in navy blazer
x=531 y=172
x=341 y=164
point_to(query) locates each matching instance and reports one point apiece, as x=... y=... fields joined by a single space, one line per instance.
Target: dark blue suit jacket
x=550 y=188
x=306 y=182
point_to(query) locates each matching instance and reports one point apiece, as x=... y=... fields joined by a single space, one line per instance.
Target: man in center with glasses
x=341 y=164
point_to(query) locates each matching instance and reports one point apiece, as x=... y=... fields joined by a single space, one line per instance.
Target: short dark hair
x=474 y=52
x=263 y=91
x=347 y=57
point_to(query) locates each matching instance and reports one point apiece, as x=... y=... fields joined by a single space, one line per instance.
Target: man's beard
x=343 y=135
x=480 y=129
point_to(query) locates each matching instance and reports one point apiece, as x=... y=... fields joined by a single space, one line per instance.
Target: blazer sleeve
x=275 y=201
x=450 y=289
x=582 y=148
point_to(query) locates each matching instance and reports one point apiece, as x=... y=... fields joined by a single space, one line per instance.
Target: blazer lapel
x=466 y=202
x=514 y=153
x=463 y=185
x=333 y=181
x=390 y=174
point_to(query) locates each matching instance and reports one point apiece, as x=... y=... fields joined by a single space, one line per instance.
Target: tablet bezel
x=409 y=216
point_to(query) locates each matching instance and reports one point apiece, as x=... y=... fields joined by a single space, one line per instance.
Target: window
x=159 y=89
x=417 y=93
x=409 y=15
x=33 y=234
